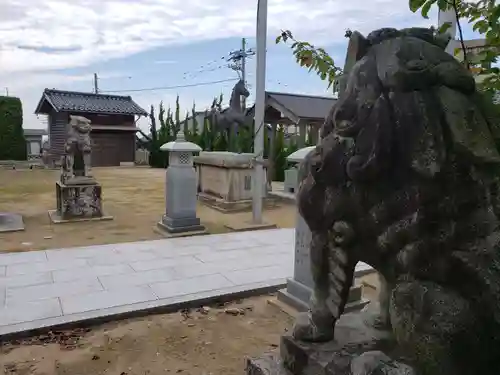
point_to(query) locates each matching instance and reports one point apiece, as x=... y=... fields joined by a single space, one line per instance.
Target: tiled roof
x=35 y=132
x=304 y=106
x=72 y=101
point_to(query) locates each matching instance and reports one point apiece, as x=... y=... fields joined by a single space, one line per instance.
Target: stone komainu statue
x=403 y=179
x=78 y=145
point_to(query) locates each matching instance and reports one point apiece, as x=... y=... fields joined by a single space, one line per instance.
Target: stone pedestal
x=225 y=181
x=79 y=200
x=180 y=191
x=11 y=222
x=354 y=342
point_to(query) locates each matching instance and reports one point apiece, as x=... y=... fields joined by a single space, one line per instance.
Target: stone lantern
x=181 y=189
x=292 y=173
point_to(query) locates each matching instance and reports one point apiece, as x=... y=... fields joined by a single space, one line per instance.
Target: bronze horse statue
x=230 y=119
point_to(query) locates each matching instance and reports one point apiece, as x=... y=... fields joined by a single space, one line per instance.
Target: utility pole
x=243 y=70
x=96 y=84
x=238 y=61
x=260 y=98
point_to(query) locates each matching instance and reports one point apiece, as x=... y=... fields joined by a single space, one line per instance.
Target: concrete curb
x=161 y=306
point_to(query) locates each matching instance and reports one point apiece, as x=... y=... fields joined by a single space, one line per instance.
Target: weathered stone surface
x=353 y=338
x=268 y=364
x=11 y=222
x=378 y=363
x=180 y=189
x=404 y=179
x=78 y=201
x=76 y=164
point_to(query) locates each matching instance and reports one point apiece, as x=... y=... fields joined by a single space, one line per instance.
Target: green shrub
x=12 y=141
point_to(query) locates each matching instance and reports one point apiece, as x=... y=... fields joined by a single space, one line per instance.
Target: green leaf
x=425 y=9
x=444 y=27
x=443 y=4
x=416 y=4
x=481 y=26
x=278 y=39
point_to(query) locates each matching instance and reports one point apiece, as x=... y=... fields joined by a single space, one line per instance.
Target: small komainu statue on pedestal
x=76 y=164
x=78 y=193
x=404 y=179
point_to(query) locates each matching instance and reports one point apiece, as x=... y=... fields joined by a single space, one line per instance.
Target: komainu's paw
x=375 y=317
x=313 y=328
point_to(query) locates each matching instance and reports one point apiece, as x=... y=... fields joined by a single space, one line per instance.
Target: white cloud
x=39 y=36
x=87 y=31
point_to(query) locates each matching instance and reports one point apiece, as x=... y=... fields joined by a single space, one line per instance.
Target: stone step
x=354 y=303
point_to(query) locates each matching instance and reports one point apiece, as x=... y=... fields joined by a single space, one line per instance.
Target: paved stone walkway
x=47 y=288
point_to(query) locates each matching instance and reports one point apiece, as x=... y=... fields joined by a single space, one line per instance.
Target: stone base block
x=284 y=196
x=226 y=207
x=78 y=202
x=55 y=218
x=246 y=226
x=352 y=338
x=355 y=302
x=10 y=222
x=170 y=227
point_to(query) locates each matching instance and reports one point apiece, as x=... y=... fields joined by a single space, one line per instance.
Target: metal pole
x=260 y=97
x=96 y=85
x=448 y=16
x=243 y=70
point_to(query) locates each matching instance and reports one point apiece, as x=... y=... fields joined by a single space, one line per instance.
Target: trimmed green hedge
x=12 y=141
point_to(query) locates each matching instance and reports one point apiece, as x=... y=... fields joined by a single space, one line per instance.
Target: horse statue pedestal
x=225 y=180
x=78 y=194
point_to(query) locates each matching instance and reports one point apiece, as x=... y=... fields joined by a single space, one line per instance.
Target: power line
x=171 y=87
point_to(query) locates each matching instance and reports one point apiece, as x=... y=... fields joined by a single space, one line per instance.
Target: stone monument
x=78 y=194
x=299 y=287
x=180 y=190
x=405 y=179
x=225 y=180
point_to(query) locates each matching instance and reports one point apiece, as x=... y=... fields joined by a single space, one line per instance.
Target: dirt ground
x=211 y=340
x=134 y=196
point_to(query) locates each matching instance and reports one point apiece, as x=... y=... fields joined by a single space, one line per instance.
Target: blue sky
x=142 y=44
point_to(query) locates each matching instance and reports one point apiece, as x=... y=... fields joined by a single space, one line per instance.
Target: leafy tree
x=164 y=128
x=195 y=120
x=484 y=16
x=12 y=141
x=157 y=158
x=314 y=58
